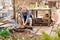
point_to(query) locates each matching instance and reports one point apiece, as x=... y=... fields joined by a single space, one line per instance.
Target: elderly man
x=25 y=17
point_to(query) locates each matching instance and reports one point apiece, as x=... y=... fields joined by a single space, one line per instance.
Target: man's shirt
x=25 y=16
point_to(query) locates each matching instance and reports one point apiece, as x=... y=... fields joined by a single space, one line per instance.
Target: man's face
x=24 y=10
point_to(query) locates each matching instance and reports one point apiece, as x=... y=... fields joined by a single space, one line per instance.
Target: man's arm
x=21 y=16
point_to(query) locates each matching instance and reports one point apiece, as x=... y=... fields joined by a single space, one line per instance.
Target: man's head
x=24 y=9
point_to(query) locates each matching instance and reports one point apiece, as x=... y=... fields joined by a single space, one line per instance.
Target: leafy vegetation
x=44 y=36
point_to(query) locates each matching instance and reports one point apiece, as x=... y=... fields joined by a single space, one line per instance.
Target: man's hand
x=24 y=24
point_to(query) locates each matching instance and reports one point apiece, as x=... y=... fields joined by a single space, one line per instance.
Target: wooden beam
x=14 y=9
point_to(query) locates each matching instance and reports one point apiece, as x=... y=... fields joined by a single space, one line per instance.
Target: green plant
x=45 y=36
x=56 y=38
x=58 y=32
x=38 y=38
x=4 y=32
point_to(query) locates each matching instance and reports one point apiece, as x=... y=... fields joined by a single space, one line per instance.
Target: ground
x=49 y=30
